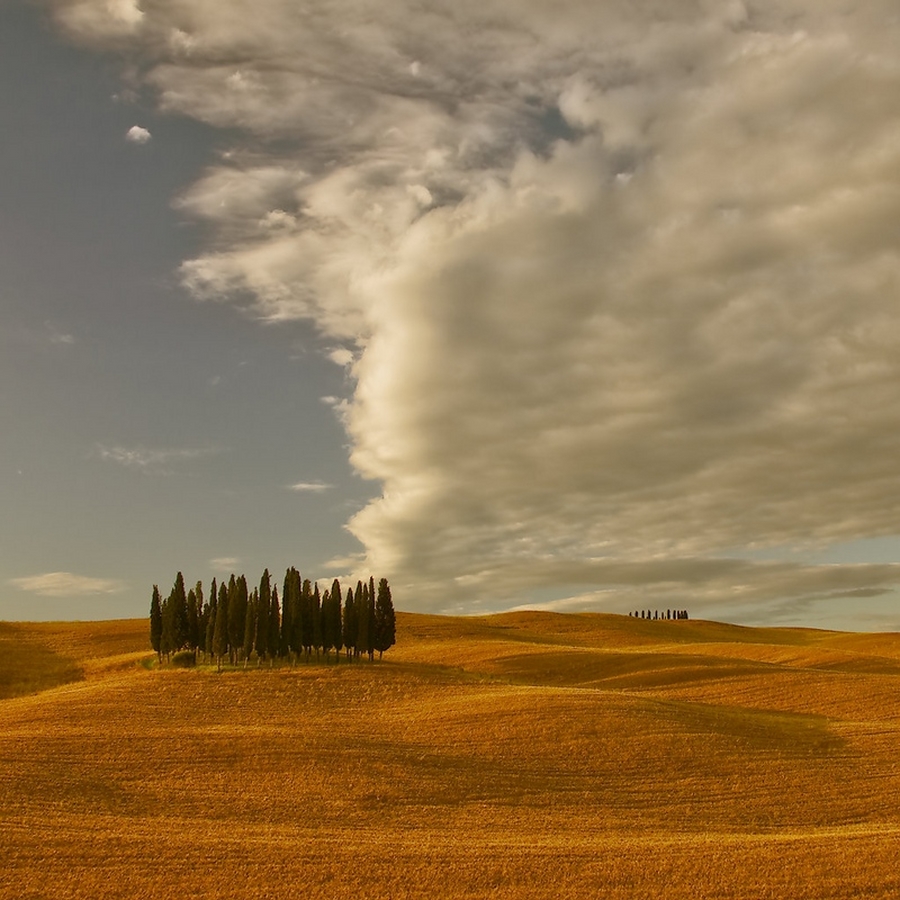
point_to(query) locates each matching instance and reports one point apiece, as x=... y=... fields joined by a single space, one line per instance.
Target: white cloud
x=65 y=584
x=224 y=563
x=310 y=487
x=137 y=135
x=621 y=282
x=148 y=459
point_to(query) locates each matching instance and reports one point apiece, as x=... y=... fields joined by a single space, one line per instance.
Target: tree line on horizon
x=236 y=625
x=656 y=614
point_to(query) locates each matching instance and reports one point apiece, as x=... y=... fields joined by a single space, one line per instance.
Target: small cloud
x=137 y=135
x=146 y=459
x=224 y=563
x=310 y=487
x=62 y=339
x=65 y=584
x=341 y=356
x=277 y=219
x=420 y=194
x=127 y=95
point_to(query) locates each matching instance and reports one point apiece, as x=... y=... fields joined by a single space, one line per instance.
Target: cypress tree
x=210 y=630
x=156 y=621
x=262 y=626
x=220 y=635
x=334 y=619
x=250 y=621
x=327 y=639
x=370 y=600
x=385 y=629
x=361 y=602
x=274 y=626
x=193 y=621
x=348 y=626
x=180 y=630
x=295 y=601
x=210 y=617
x=167 y=640
x=237 y=613
x=316 y=616
x=285 y=640
x=201 y=617
x=305 y=619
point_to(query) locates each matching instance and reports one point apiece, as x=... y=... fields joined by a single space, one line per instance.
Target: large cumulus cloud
x=620 y=280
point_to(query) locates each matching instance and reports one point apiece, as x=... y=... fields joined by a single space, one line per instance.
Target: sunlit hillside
x=524 y=755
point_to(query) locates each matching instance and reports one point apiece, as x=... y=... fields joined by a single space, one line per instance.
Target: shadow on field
x=28 y=667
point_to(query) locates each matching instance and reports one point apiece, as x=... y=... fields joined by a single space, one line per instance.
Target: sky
x=577 y=306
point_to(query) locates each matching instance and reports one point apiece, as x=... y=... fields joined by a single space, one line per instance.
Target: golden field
x=524 y=755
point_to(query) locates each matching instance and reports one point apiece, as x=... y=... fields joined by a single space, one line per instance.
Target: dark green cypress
x=316 y=615
x=210 y=617
x=156 y=621
x=348 y=626
x=290 y=606
x=180 y=629
x=361 y=602
x=274 y=625
x=250 y=619
x=220 y=635
x=306 y=623
x=193 y=621
x=385 y=630
x=370 y=601
x=285 y=639
x=237 y=613
x=262 y=626
x=200 y=636
x=334 y=618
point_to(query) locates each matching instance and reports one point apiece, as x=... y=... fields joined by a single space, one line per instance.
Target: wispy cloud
x=620 y=279
x=224 y=563
x=146 y=459
x=310 y=487
x=65 y=584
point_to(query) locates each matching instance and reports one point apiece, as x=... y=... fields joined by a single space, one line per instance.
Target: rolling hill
x=520 y=755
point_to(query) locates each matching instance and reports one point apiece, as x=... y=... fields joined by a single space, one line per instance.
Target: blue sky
x=590 y=309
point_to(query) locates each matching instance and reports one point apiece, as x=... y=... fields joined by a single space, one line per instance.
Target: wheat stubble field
x=525 y=755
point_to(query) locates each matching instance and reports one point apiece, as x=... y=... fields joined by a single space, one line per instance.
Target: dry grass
x=518 y=756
